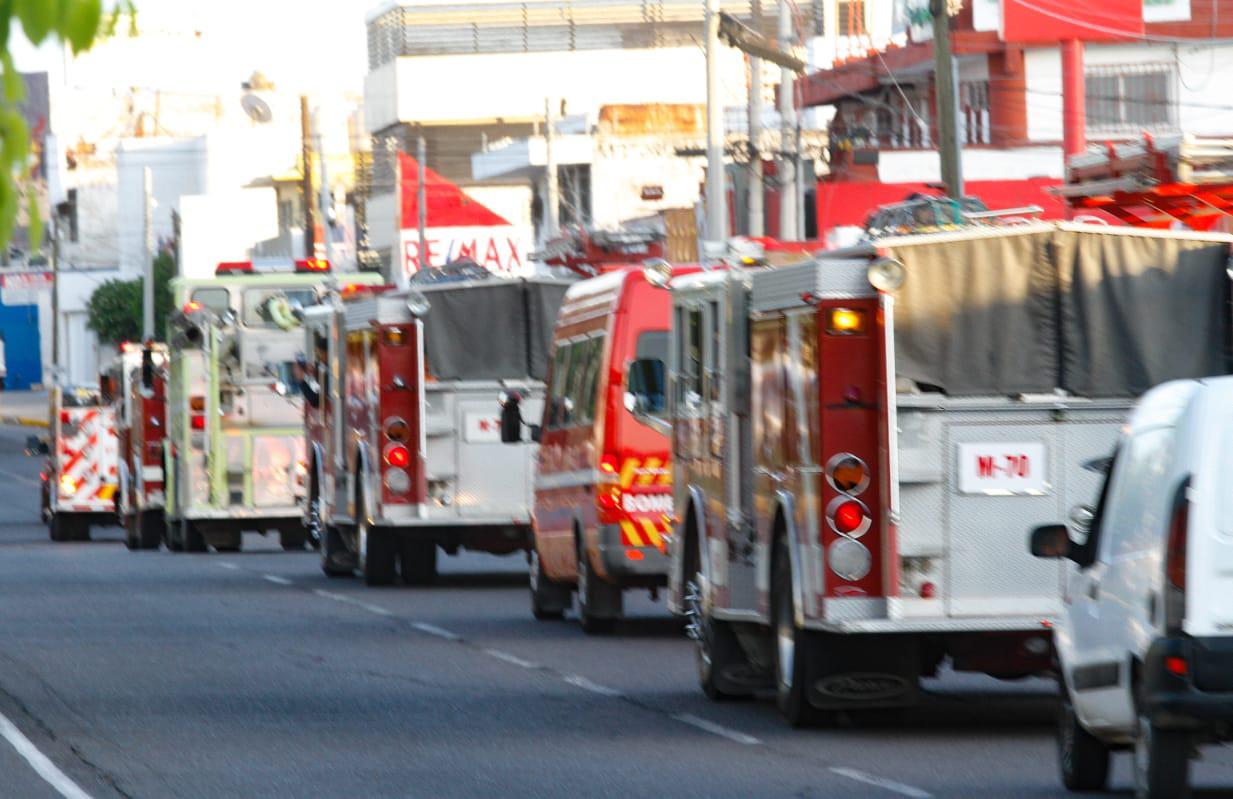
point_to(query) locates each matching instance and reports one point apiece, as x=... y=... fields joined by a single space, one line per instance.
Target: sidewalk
x=28 y=408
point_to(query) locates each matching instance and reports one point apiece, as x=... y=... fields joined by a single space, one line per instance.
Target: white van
x=1145 y=640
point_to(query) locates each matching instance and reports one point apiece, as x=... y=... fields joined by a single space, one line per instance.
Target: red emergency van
x=603 y=491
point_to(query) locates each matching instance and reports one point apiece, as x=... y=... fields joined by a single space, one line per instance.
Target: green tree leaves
x=114 y=309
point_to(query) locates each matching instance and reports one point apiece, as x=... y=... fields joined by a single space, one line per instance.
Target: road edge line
x=38 y=761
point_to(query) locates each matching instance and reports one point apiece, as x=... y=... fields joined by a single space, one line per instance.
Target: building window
x=975 y=98
x=1130 y=98
x=852 y=18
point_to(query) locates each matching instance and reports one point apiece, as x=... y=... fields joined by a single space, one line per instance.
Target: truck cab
x=603 y=490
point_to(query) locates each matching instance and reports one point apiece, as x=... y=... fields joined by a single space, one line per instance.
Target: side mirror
x=1081 y=517
x=1050 y=541
x=511 y=420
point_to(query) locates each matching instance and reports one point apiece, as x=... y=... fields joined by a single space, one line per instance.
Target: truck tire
x=717 y=651
x=417 y=558
x=132 y=523
x=548 y=599
x=292 y=540
x=151 y=528
x=1161 y=762
x=61 y=527
x=191 y=538
x=336 y=560
x=793 y=647
x=599 y=603
x=1082 y=758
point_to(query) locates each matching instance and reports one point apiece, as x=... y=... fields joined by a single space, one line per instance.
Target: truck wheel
x=191 y=538
x=418 y=561
x=60 y=527
x=793 y=646
x=717 y=649
x=132 y=523
x=1083 y=758
x=377 y=551
x=151 y=528
x=1161 y=762
x=599 y=604
x=548 y=599
x=292 y=540
x=336 y=561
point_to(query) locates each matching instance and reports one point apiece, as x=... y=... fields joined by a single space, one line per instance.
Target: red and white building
x=1143 y=66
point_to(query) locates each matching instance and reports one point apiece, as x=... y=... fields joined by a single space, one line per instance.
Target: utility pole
x=326 y=201
x=787 y=134
x=552 y=188
x=716 y=200
x=306 y=154
x=757 y=192
x=147 y=238
x=398 y=250
x=55 y=297
x=947 y=90
x=421 y=199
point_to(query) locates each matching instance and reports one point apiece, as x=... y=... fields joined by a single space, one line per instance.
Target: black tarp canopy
x=1097 y=312
x=491 y=329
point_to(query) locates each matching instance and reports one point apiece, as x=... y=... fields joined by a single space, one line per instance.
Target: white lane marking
x=274 y=578
x=38 y=761
x=716 y=729
x=582 y=682
x=225 y=565
x=433 y=629
x=346 y=600
x=880 y=782
x=514 y=659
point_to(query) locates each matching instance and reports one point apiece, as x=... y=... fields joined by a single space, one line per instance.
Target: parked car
x=1145 y=640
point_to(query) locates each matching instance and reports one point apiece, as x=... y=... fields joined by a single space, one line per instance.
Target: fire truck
x=136 y=384
x=862 y=442
x=404 y=452
x=603 y=488
x=233 y=458
x=80 y=476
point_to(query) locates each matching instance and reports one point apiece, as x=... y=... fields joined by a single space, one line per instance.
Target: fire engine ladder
x=1156 y=183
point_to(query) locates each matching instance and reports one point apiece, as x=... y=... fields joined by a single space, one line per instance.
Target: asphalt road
x=253 y=675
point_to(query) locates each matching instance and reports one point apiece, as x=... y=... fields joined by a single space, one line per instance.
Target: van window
x=216 y=300
x=588 y=359
x=1138 y=509
x=560 y=376
x=645 y=375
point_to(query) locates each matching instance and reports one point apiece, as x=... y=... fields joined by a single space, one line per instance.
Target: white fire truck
x=79 y=479
x=234 y=454
x=137 y=382
x=862 y=443
x=405 y=451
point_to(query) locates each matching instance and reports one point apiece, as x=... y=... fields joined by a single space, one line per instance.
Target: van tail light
x=1175 y=560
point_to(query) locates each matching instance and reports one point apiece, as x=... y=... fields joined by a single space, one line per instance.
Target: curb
x=24 y=421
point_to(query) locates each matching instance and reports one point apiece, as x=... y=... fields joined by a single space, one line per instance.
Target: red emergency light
x=234 y=268
x=312 y=265
x=192 y=306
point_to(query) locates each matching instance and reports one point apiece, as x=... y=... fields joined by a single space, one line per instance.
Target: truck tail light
x=68 y=485
x=197 y=421
x=64 y=417
x=397 y=481
x=1175 y=560
x=848 y=516
x=609 y=468
x=847 y=474
x=397 y=456
x=397 y=429
x=196 y=403
x=845 y=322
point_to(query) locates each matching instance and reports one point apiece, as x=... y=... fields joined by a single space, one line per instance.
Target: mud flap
x=854 y=672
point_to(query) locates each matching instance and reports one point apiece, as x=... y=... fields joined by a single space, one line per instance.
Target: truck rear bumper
x=280 y=514
x=1026 y=624
x=632 y=566
x=1201 y=694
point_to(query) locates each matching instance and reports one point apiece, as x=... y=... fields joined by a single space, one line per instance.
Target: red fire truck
x=861 y=444
x=405 y=442
x=79 y=480
x=603 y=491
x=137 y=383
